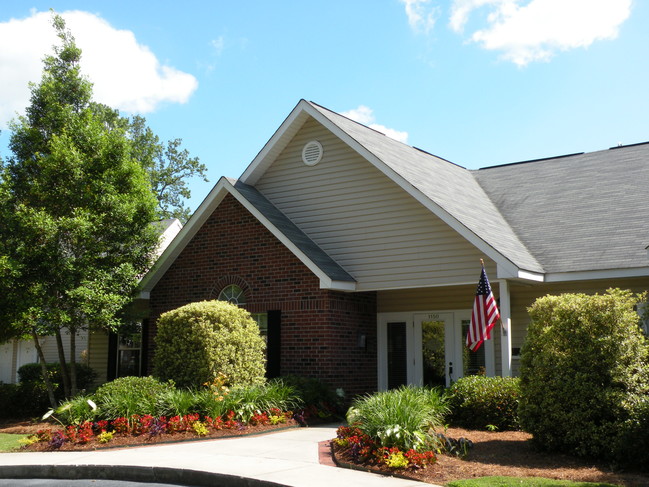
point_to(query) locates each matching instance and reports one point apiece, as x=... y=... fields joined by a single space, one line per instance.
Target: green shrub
x=23 y=400
x=480 y=402
x=315 y=394
x=126 y=396
x=86 y=376
x=402 y=418
x=583 y=362
x=632 y=443
x=197 y=341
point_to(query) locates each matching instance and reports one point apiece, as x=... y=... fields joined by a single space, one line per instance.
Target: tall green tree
x=168 y=165
x=76 y=207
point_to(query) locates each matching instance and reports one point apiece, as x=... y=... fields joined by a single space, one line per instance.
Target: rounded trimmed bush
x=480 y=402
x=583 y=362
x=196 y=342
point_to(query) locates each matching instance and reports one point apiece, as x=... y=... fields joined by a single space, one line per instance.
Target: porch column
x=506 y=328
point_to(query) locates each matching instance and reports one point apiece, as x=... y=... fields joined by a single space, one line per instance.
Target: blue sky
x=478 y=82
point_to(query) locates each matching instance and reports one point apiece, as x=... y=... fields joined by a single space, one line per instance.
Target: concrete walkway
x=288 y=458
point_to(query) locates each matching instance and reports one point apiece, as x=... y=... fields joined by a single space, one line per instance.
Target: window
x=262 y=323
x=233 y=294
x=129 y=352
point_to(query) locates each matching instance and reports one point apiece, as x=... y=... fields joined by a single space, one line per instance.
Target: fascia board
x=531 y=276
x=181 y=240
x=275 y=144
x=598 y=274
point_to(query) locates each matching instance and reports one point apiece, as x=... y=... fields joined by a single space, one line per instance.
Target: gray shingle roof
x=451 y=187
x=318 y=256
x=578 y=213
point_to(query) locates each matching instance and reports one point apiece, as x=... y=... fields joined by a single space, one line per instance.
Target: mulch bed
x=123 y=441
x=505 y=453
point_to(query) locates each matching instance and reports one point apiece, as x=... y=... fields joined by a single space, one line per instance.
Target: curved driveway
x=287 y=458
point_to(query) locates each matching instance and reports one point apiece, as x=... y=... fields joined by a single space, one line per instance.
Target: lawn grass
x=10 y=442
x=522 y=482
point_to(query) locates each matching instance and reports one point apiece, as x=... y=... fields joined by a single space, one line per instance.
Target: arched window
x=233 y=294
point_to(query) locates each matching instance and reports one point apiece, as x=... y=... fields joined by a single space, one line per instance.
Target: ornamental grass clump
x=197 y=341
x=404 y=418
x=127 y=396
x=274 y=395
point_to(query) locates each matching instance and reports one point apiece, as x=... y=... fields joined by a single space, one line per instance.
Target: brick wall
x=319 y=328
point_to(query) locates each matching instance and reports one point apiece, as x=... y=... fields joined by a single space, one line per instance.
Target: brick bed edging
x=193 y=478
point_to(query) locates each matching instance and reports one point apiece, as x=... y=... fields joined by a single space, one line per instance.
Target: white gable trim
x=220 y=190
x=296 y=119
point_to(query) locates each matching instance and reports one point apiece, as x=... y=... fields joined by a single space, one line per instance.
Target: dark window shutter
x=274 y=344
x=144 y=346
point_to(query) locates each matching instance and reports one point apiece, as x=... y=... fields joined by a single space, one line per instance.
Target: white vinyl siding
x=378 y=233
x=98 y=354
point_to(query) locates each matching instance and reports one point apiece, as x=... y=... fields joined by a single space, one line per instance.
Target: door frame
x=453 y=341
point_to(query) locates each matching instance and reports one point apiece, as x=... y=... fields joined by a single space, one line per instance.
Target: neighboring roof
x=167 y=229
x=580 y=212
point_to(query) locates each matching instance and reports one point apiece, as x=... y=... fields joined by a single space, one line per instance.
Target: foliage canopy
x=76 y=209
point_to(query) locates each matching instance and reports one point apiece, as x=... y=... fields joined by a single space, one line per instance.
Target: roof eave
x=589 y=275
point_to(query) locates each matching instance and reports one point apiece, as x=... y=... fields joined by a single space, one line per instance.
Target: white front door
x=427 y=348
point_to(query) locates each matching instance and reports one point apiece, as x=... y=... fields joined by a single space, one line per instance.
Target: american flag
x=485 y=314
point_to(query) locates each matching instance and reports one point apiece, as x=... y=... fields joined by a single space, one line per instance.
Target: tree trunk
x=46 y=375
x=73 y=363
x=63 y=364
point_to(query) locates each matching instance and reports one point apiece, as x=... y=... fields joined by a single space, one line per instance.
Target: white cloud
x=126 y=74
x=218 y=44
x=421 y=16
x=538 y=29
x=365 y=115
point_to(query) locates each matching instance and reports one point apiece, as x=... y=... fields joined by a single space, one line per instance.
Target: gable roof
x=448 y=190
x=331 y=275
x=563 y=218
x=578 y=213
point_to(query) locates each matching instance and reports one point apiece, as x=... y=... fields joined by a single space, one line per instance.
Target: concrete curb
x=193 y=478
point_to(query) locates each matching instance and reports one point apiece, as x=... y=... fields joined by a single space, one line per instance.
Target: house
x=108 y=355
x=359 y=255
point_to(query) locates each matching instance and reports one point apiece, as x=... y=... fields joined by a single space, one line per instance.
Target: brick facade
x=320 y=329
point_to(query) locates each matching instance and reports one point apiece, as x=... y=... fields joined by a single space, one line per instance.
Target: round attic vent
x=312 y=153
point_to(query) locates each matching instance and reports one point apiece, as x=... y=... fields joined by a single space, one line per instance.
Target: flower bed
x=353 y=444
x=146 y=429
